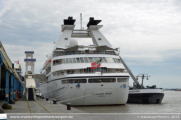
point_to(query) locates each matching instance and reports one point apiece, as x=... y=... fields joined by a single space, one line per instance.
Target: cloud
x=147 y=31
x=17 y=52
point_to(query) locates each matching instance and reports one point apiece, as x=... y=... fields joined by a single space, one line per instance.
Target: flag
x=19 y=66
x=17 y=62
x=96 y=64
x=21 y=72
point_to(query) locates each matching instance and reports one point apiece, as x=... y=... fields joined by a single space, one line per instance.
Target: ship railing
x=83 y=52
x=74 y=63
x=88 y=72
x=96 y=72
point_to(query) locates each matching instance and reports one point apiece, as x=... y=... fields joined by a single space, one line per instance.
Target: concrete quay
x=38 y=106
x=41 y=107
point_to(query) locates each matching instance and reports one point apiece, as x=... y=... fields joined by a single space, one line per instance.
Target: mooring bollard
x=42 y=97
x=68 y=106
x=54 y=102
x=47 y=99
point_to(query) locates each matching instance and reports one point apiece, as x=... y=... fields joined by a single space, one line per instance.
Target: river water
x=171 y=103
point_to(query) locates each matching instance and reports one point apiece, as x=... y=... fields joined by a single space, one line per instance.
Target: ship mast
x=81 y=21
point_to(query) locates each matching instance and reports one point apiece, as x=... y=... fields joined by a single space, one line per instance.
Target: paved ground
x=37 y=110
x=39 y=106
x=20 y=106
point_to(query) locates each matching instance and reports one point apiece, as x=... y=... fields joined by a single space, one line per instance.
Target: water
x=171 y=103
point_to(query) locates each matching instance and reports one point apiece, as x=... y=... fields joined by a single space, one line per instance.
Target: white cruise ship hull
x=87 y=93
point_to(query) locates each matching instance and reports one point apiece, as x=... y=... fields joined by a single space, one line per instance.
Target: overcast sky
x=148 y=32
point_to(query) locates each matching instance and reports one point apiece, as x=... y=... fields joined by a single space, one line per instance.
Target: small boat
x=149 y=95
x=145 y=95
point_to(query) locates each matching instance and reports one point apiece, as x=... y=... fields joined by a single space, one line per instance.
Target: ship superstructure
x=70 y=78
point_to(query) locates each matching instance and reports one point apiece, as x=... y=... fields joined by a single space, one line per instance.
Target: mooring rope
x=63 y=94
x=84 y=95
x=53 y=91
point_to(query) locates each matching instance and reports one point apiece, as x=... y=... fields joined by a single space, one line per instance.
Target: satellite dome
x=73 y=42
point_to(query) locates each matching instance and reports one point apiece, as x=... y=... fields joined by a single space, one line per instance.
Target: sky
x=148 y=32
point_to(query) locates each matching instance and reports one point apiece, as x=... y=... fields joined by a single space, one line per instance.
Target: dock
x=11 y=84
x=39 y=106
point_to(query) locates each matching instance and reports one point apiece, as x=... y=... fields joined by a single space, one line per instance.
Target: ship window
x=90 y=59
x=74 y=60
x=104 y=59
x=86 y=60
x=81 y=60
x=100 y=58
x=122 y=79
x=67 y=60
x=63 y=61
x=58 y=73
x=66 y=38
x=96 y=59
x=55 y=74
x=56 y=62
x=110 y=60
x=118 y=60
x=114 y=60
x=74 y=81
x=78 y=60
x=60 y=61
x=100 y=80
x=70 y=60
x=110 y=52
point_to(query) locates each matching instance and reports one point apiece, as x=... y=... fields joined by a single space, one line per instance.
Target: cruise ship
x=69 y=77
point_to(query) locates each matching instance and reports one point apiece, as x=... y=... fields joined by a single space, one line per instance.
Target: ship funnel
x=69 y=21
x=93 y=22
